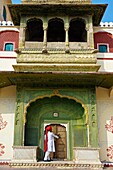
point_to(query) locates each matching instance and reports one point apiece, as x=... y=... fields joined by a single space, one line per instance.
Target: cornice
x=70 y=9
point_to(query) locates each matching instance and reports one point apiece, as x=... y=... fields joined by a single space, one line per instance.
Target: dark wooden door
x=60 y=144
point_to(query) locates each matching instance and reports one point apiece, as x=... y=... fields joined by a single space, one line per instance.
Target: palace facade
x=56 y=68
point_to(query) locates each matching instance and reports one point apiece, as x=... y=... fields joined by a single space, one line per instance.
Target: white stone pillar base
x=85 y=155
x=24 y=153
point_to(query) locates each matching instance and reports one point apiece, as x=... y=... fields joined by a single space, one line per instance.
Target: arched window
x=77 y=32
x=34 y=30
x=9 y=47
x=103 y=48
x=56 y=31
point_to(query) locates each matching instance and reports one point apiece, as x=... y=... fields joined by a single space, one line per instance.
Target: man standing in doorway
x=49 y=145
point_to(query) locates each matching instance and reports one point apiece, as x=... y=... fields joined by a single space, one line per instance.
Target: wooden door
x=60 y=144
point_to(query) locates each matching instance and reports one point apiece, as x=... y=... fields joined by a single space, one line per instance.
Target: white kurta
x=51 y=144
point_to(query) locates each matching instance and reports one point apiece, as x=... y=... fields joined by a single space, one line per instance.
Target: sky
x=108 y=15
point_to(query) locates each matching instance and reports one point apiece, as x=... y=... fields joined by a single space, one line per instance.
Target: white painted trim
x=8 y=29
x=66 y=125
x=103 y=44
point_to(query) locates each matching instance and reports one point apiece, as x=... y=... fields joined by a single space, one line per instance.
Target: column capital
x=87 y=27
x=66 y=26
x=45 y=26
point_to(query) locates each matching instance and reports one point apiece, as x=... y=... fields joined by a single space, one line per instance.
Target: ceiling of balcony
x=57 y=79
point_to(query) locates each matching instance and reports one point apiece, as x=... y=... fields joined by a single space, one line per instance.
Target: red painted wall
x=103 y=37
x=9 y=36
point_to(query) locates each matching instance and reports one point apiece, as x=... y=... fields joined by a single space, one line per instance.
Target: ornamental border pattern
x=110 y=152
x=56 y=164
x=57 y=58
x=2 y=149
x=2 y=123
x=109 y=128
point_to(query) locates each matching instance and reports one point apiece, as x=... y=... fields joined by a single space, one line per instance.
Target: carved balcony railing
x=56 y=46
x=57 y=1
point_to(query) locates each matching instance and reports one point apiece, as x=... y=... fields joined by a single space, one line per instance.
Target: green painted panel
x=18 y=135
x=80 y=136
x=31 y=136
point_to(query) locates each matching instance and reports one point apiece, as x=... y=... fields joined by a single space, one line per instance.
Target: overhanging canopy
x=97 y=11
x=57 y=79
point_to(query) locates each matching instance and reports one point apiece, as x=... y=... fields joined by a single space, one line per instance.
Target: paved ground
x=8 y=168
x=49 y=168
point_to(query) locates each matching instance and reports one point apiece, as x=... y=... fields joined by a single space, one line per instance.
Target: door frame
x=66 y=125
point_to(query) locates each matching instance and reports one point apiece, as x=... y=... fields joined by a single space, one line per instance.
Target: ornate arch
x=55 y=18
x=58 y=95
x=82 y=19
x=77 y=30
x=34 y=29
x=55 y=32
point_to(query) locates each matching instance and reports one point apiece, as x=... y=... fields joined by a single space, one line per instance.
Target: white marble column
x=45 y=39
x=67 y=37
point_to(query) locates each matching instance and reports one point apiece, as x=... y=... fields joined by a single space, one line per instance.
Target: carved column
x=45 y=38
x=89 y=29
x=22 y=34
x=67 y=36
x=93 y=126
x=18 y=129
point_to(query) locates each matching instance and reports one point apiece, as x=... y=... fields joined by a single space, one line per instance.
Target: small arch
x=6 y=30
x=34 y=30
x=56 y=32
x=77 y=31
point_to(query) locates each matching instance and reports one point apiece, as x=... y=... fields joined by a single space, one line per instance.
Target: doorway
x=61 y=143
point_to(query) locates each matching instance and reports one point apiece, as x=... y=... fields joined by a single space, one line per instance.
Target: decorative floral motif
x=109 y=126
x=2 y=149
x=110 y=151
x=2 y=124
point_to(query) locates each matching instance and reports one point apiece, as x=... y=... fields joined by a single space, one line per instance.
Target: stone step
x=56 y=165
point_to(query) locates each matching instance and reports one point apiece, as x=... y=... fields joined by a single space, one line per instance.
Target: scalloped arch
x=34 y=19
x=82 y=19
x=61 y=96
x=55 y=19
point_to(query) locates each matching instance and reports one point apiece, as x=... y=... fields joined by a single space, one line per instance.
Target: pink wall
x=9 y=36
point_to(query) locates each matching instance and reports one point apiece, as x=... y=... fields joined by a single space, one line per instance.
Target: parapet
x=6 y=23
x=106 y=24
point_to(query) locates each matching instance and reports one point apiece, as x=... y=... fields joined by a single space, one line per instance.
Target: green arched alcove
x=43 y=109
